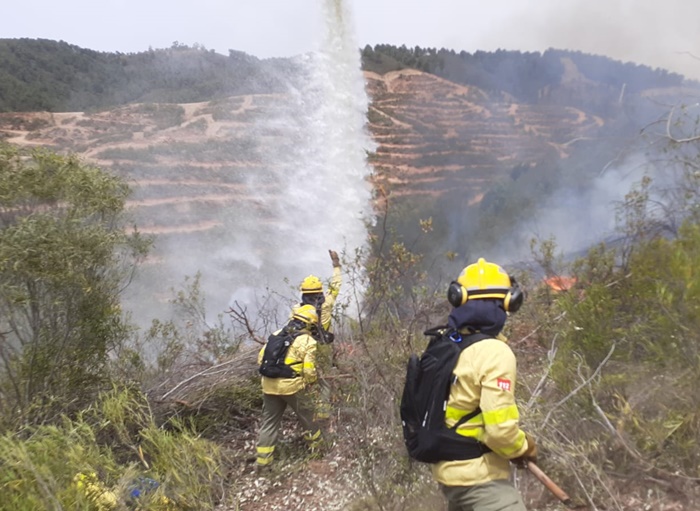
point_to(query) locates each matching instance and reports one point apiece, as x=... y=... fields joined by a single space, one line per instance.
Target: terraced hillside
x=434 y=134
x=183 y=161
x=188 y=163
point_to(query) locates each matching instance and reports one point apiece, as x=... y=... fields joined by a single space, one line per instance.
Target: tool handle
x=551 y=485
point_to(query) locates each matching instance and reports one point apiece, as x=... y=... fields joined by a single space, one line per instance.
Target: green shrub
x=118 y=441
x=64 y=256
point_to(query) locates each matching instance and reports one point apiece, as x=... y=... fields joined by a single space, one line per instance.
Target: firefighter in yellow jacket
x=280 y=392
x=482 y=297
x=312 y=293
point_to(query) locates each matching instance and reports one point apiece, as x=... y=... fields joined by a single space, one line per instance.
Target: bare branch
x=580 y=386
x=633 y=452
x=215 y=369
x=551 y=354
x=555 y=319
x=673 y=138
x=240 y=316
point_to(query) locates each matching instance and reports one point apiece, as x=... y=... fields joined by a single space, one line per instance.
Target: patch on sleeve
x=503 y=384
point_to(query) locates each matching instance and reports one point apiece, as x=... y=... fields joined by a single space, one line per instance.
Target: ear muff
x=456 y=294
x=514 y=298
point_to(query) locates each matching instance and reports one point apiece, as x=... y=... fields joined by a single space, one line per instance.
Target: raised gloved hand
x=530 y=453
x=334 y=258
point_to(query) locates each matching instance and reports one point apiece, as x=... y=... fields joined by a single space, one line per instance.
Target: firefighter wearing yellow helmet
x=482 y=296
x=287 y=375
x=312 y=293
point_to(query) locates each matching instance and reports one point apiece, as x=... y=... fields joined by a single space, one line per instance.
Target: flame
x=560 y=283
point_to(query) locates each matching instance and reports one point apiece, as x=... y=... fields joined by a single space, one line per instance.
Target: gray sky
x=658 y=33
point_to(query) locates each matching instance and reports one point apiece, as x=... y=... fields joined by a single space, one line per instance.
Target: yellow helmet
x=485 y=280
x=306 y=313
x=311 y=284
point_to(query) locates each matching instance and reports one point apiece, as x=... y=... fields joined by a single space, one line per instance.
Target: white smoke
x=578 y=218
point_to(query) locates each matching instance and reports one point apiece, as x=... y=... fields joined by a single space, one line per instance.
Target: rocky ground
x=298 y=480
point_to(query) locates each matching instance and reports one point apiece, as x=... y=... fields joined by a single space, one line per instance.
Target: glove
x=334 y=258
x=529 y=455
x=327 y=337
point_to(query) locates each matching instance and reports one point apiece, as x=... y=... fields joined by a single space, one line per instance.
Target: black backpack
x=273 y=365
x=424 y=399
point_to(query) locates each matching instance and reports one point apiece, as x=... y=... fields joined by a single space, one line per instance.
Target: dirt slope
x=187 y=161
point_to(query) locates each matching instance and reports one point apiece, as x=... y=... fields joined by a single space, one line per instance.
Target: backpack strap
x=464 y=343
x=456 y=336
x=464 y=419
x=294 y=334
x=436 y=331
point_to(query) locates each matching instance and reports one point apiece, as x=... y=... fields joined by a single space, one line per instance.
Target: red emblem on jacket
x=503 y=384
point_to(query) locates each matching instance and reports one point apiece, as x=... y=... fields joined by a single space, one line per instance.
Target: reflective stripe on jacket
x=302 y=357
x=485 y=379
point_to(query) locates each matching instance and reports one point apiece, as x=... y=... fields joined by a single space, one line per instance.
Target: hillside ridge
x=431 y=135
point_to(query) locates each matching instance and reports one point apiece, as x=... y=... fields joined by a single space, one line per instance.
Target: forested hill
x=45 y=75
x=524 y=75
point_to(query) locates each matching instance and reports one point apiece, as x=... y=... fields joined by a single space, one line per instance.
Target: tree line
x=47 y=75
x=520 y=74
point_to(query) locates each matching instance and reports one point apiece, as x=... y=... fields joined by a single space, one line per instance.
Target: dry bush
x=604 y=392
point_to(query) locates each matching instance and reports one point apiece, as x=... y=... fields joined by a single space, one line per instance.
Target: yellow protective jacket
x=303 y=350
x=331 y=295
x=485 y=379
